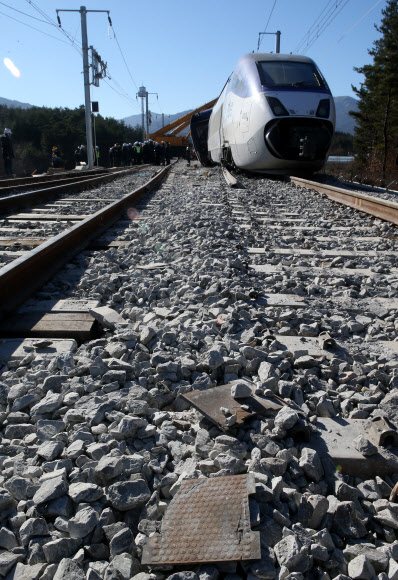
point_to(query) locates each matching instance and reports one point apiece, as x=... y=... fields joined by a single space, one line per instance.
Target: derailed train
x=276 y=114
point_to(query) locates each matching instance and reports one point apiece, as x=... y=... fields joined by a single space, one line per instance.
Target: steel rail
x=31 y=180
x=229 y=178
x=28 y=198
x=46 y=184
x=385 y=210
x=25 y=275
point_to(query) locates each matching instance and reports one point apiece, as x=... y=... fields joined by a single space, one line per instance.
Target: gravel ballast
x=96 y=442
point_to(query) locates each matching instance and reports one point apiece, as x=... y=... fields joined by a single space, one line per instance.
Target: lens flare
x=132 y=213
x=11 y=67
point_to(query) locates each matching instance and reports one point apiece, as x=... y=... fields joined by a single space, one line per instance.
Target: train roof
x=261 y=56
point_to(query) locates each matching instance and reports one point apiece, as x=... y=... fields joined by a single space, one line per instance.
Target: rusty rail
x=24 y=276
x=385 y=210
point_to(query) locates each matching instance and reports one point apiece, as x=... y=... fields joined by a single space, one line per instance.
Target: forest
x=36 y=130
x=343 y=144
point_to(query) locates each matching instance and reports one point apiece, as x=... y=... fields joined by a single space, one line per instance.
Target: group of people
x=137 y=153
x=149 y=152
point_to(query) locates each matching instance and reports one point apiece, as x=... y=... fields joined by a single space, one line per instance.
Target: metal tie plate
x=207 y=521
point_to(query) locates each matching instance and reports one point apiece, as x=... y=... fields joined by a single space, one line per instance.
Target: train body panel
x=279 y=127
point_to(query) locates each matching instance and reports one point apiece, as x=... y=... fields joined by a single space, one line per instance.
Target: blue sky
x=180 y=49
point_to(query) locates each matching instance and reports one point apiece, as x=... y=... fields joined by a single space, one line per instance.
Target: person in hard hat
x=167 y=153
x=117 y=155
x=97 y=155
x=138 y=152
x=83 y=153
x=188 y=154
x=8 y=151
x=77 y=156
x=162 y=153
x=55 y=157
x=125 y=154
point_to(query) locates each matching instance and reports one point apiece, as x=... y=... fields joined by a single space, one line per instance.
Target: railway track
x=379 y=208
x=32 y=181
x=16 y=281
x=210 y=291
x=48 y=190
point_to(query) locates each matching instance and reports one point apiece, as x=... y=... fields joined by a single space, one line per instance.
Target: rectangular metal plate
x=334 y=440
x=209 y=402
x=19 y=348
x=301 y=345
x=282 y=300
x=207 y=521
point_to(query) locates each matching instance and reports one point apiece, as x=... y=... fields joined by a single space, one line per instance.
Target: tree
x=376 y=133
x=343 y=144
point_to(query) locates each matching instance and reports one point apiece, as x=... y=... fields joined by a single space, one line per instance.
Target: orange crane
x=170 y=132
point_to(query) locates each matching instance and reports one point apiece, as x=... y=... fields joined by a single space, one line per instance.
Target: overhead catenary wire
x=126 y=98
x=34 y=28
x=72 y=41
x=326 y=25
x=121 y=52
x=266 y=26
x=76 y=45
x=25 y=13
x=352 y=28
x=307 y=34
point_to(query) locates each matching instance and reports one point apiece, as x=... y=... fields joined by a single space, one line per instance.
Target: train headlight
x=277 y=108
x=323 y=109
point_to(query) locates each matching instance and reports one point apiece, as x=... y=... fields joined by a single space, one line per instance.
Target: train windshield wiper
x=303 y=84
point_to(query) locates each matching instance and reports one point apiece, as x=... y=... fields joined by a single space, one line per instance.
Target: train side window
x=237 y=85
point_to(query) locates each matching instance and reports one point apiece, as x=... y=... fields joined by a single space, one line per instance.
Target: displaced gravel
x=95 y=443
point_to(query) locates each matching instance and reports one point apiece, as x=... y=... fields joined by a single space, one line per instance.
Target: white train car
x=276 y=114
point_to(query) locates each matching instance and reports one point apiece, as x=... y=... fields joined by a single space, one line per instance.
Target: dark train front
x=275 y=115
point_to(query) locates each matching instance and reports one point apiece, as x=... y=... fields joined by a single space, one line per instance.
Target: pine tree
x=376 y=133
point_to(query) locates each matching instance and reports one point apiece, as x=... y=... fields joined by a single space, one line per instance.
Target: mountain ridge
x=344 y=122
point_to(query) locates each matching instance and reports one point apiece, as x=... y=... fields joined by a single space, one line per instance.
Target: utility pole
x=277 y=40
x=143 y=94
x=86 y=76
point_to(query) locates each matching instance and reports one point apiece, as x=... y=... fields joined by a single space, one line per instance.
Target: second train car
x=276 y=114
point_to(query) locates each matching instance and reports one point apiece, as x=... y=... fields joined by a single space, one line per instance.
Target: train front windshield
x=290 y=74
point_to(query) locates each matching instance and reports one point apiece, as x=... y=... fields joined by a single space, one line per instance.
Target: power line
x=307 y=34
x=124 y=60
x=72 y=41
x=33 y=27
x=25 y=13
x=266 y=26
x=126 y=98
x=352 y=27
x=74 y=44
x=270 y=16
x=310 y=43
